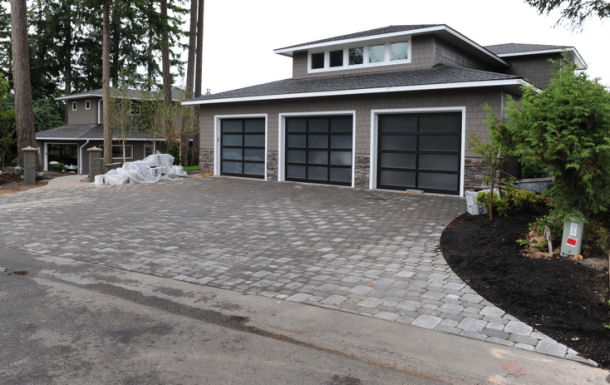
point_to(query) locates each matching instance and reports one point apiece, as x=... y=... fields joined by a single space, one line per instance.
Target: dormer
x=389 y=48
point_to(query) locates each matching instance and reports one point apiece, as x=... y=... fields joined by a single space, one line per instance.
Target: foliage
x=57 y=167
x=48 y=113
x=565 y=130
x=573 y=11
x=7 y=125
x=500 y=205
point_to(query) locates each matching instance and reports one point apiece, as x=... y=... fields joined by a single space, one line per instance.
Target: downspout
x=80 y=153
x=99 y=111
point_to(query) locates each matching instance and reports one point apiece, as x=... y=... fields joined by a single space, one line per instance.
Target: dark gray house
x=83 y=129
x=388 y=108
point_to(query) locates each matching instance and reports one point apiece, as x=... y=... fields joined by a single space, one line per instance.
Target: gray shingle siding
x=82 y=115
x=449 y=55
x=537 y=69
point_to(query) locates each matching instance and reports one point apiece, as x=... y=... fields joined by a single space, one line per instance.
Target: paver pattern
x=368 y=252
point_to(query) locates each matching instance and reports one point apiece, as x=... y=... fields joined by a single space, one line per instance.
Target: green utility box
x=571 y=242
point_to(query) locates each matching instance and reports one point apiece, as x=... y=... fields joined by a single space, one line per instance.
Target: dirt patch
x=557 y=296
x=10 y=183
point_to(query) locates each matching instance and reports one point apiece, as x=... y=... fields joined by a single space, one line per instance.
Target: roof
x=177 y=94
x=520 y=49
x=441 y=30
x=84 y=132
x=370 y=32
x=438 y=77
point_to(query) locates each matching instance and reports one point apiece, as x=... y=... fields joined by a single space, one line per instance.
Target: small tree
x=491 y=155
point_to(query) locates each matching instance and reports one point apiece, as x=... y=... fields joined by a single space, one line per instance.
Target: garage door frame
x=309 y=114
x=217 y=136
x=375 y=137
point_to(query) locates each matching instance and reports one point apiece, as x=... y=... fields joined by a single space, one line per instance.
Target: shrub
x=58 y=167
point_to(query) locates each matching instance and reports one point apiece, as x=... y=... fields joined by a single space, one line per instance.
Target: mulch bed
x=557 y=296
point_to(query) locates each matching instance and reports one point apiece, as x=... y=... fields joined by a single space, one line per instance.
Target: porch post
x=29 y=166
x=96 y=162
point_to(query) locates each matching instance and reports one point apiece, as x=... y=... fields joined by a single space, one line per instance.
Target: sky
x=240 y=35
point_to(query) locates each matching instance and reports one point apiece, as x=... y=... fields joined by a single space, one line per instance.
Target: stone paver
x=368 y=252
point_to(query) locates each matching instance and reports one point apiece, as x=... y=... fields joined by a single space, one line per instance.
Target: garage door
x=243 y=147
x=420 y=151
x=319 y=149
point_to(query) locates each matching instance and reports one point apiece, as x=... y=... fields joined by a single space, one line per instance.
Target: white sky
x=240 y=35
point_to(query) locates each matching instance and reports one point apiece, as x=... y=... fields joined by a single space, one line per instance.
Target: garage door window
x=420 y=151
x=319 y=149
x=243 y=147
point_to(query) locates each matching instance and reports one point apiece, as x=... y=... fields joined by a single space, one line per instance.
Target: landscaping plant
x=565 y=130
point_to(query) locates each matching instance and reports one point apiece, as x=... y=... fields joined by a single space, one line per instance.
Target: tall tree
x=106 y=82
x=199 y=66
x=573 y=11
x=187 y=120
x=167 y=76
x=21 y=76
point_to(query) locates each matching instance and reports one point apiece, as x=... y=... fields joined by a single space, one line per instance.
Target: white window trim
x=365 y=57
x=75 y=106
x=281 y=174
x=375 y=137
x=87 y=104
x=121 y=146
x=217 y=126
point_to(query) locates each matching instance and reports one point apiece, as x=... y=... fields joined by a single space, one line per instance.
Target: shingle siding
x=82 y=115
x=472 y=99
x=447 y=54
x=537 y=69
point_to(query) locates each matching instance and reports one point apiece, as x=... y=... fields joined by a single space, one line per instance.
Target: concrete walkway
x=370 y=253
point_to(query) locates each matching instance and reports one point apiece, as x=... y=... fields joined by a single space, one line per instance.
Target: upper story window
x=398 y=52
x=87 y=104
x=74 y=106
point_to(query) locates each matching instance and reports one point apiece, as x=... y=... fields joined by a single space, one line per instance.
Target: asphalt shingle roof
x=177 y=93
x=508 y=48
x=370 y=32
x=436 y=75
x=84 y=131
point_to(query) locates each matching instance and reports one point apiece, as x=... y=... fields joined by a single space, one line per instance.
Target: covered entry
x=319 y=149
x=243 y=147
x=420 y=151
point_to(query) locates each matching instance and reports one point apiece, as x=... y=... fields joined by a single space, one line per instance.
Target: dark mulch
x=559 y=297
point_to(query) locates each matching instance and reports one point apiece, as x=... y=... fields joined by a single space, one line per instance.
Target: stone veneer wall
x=206 y=160
x=474 y=170
x=272 y=165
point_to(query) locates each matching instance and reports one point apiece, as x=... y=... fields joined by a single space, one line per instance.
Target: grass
x=191 y=168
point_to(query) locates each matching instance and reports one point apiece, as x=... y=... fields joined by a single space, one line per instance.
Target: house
x=83 y=129
x=388 y=108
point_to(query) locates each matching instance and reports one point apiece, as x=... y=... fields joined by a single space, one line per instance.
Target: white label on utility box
x=573 y=229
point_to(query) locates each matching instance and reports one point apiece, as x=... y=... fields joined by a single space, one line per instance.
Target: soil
x=10 y=183
x=557 y=296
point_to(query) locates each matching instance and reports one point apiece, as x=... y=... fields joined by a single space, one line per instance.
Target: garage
x=319 y=149
x=420 y=151
x=243 y=147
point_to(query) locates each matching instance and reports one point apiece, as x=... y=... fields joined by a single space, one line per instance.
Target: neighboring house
x=68 y=144
x=388 y=108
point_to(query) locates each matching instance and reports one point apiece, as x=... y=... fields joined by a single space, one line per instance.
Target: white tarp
x=151 y=169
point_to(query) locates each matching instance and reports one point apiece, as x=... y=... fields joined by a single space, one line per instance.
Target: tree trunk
x=167 y=79
x=67 y=59
x=106 y=84
x=199 y=66
x=187 y=117
x=21 y=77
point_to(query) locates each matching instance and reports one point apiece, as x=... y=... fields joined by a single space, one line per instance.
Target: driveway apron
x=369 y=252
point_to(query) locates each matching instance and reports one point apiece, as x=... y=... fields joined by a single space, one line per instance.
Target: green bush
x=500 y=205
x=58 y=167
x=512 y=199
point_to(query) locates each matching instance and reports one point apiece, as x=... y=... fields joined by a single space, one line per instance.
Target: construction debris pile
x=151 y=169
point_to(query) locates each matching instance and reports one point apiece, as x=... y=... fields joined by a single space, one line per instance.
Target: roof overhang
x=78 y=96
x=443 y=31
x=578 y=60
x=82 y=139
x=509 y=83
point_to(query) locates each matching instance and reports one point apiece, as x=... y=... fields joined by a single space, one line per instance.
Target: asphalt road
x=56 y=332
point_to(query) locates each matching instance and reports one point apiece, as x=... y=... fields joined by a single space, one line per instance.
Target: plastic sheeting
x=151 y=169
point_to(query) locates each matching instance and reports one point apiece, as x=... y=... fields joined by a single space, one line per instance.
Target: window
x=87 y=104
x=377 y=53
x=336 y=58
x=317 y=60
x=117 y=151
x=148 y=149
x=134 y=108
x=74 y=106
x=399 y=51
x=356 y=56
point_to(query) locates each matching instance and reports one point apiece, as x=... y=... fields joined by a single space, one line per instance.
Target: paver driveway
x=374 y=253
